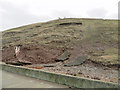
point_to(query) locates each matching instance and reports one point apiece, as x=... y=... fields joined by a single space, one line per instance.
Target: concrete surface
x=11 y=80
x=0 y=79
x=72 y=81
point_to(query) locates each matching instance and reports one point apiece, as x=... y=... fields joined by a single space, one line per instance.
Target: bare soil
x=33 y=54
x=43 y=55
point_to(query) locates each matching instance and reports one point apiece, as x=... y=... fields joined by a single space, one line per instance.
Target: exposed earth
x=45 y=59
x=90 y=44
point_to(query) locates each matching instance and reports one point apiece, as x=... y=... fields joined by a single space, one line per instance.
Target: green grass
x=51 y=34
x=108 y=56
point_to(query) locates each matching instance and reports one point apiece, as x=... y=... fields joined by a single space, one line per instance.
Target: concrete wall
x=68 y=80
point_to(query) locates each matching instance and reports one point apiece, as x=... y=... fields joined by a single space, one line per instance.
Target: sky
x=15 y=13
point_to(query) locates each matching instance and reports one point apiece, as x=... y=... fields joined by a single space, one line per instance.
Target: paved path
x=11 y=80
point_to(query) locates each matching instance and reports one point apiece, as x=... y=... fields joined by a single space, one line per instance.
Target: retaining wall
x=72 y=81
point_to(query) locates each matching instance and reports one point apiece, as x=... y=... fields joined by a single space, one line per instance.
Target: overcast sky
x=14 y=13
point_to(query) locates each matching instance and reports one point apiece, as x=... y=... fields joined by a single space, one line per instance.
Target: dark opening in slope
x=71 y=23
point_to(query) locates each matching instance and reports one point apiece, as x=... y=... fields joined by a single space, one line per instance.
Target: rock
x=13 y=63
x=19 y=63
x=35 y=67
x=95 y=77
x=43 y=65
x=49 y=65
x=24 y=62
x=78 y=61
x=63 y=57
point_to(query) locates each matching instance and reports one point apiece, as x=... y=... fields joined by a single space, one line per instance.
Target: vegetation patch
x=96 y=38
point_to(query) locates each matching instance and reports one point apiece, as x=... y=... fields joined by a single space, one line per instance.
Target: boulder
x=78 y=61
x=13 y=63
x=49 y=65
x=63 y=56
x=19 y=63
x=24 y=62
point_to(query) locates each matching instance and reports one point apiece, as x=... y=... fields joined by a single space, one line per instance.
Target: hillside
x=44 y=42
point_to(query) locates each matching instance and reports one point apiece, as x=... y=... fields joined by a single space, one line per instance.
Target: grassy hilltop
x=97 y=38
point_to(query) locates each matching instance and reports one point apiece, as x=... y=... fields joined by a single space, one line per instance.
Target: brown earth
x=96 y=38
x=44 y=55
x=32 y=53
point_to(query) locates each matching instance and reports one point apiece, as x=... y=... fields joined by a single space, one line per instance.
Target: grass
x=52 y=34
x=108 y=56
